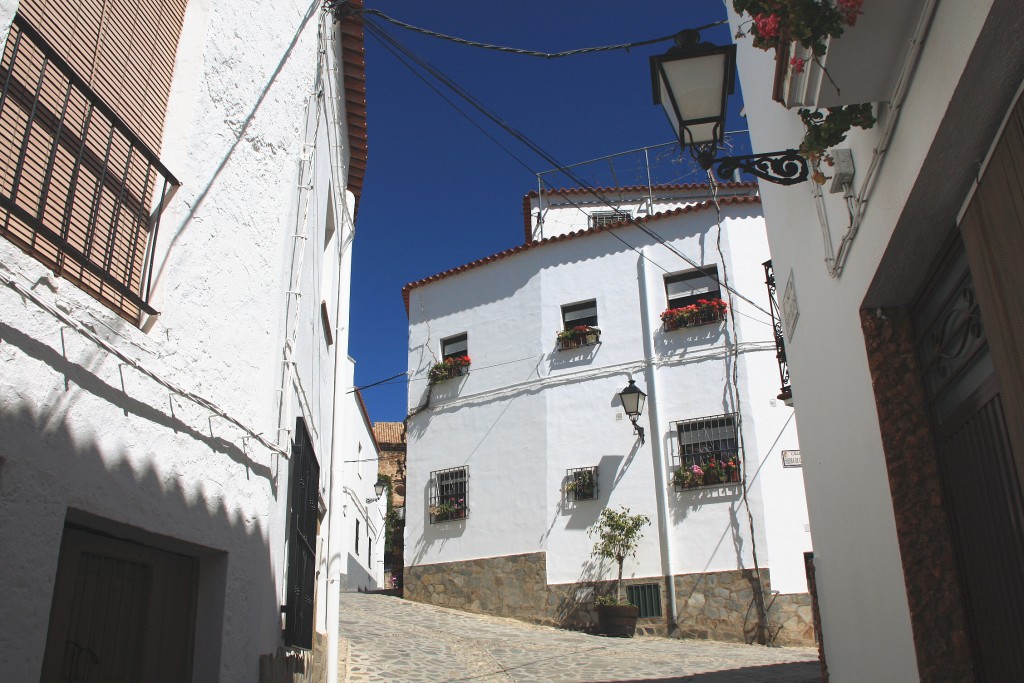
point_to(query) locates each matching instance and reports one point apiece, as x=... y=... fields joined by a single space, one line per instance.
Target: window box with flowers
x=708 y=452
x=713 y=472
x=449 y=368
x=575 y=337
x=703 y=312
x=447 y=510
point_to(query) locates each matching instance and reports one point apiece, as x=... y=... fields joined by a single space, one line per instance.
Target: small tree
x=618 y=534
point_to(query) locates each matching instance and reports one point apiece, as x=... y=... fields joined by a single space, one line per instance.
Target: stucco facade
x=527 y=411
x=894 y=576
x=173 y=434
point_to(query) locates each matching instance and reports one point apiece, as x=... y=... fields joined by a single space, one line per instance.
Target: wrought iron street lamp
x=692 y=82
x=378 y=488
x=632 y=399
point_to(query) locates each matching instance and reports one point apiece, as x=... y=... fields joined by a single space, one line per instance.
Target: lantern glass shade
x=632 y=400
x=693 y=85
x=379 y=487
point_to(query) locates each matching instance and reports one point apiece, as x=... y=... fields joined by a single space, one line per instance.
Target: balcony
x=79 y=187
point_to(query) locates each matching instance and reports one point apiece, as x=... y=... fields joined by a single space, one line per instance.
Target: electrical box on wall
x=842 y=170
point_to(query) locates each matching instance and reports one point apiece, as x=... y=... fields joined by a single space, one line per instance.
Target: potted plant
x=580 y=335
x=688 y=477
x=618 y=534
x=448 y=368
x=449 y=509
x=732 y=469
x=714 y=471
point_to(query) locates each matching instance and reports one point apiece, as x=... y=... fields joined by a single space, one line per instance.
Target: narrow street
x=397 y=641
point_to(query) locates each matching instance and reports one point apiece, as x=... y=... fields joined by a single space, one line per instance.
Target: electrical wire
x=384 y=37
x=342 y=10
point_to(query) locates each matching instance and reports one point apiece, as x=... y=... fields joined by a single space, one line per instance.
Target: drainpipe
x=657 y=447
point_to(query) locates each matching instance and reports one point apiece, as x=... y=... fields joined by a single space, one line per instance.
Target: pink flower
x=850 y=9
x=768 y=25
x=797 y=64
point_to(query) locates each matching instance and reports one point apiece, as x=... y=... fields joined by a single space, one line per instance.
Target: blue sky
x=438 y=193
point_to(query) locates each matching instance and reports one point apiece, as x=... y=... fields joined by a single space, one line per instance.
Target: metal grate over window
x=646 y=597
x=712 y=445
x=581 y=483
x=599 y=219
x=78 y=183
x=302 y=523
x=449 y=494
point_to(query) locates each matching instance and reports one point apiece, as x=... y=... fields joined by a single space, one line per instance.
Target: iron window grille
x=581 y=483
x=449 y=494
x=688 y=289
x=77 y=191
x=302 y=527
x=646 y=597
x=599 y=219
x=708 y=452
x=786 y=390
x=579 y=325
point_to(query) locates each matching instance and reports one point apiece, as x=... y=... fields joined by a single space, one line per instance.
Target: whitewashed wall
x=527 y=412
x=859 y=575
x=86 y=433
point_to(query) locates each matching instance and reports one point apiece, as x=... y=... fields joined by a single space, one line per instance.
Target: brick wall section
x=922 y=525
x=715 y=606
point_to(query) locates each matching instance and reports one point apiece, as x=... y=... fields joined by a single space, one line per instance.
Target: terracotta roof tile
x=353 y=63
x=691 y=208
x=389 y=432
x=565 y=192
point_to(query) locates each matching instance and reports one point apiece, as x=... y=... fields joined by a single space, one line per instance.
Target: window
x=81 y=178
x=684 y=289
x=581 y=483
x=357 y=538
x=302 y=528
x=454 y=359
x=599 y=219
x=449 y=495
x=575 y=315
x=646 y=597
x=708 y=452
x=455 y=347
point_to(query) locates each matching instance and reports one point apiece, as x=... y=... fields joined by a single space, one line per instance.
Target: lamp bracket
x=782 y=168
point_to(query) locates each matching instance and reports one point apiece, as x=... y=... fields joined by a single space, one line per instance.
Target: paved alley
x=397 y=641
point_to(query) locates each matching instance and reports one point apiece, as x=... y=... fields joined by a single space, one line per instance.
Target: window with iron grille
x=599 y=219
x=80 y=185
x=708 y=452
x=581 y=483
x=449 y=494
x=646 y=597
x=302 y=527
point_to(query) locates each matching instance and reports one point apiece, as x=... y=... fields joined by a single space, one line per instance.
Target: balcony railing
x=77 y=184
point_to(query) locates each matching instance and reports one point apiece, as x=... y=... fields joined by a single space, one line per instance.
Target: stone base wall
x=296 y=666
x=714 y=606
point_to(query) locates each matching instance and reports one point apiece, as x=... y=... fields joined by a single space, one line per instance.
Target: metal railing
x=77 y=184
x=786 y=392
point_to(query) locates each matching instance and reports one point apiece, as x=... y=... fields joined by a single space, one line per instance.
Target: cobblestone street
x=397 y=641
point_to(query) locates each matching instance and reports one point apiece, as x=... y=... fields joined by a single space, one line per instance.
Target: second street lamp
x=693 y=81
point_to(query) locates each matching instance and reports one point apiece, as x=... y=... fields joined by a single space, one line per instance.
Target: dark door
x=976 y=464
x=121 y=612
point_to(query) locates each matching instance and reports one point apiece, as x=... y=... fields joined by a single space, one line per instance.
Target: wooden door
x=121 y=612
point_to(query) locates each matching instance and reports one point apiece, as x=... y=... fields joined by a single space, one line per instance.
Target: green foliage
x=808 y=22
x=618 y=535
x=390 y=517
x=828 y=129
x=608 y=600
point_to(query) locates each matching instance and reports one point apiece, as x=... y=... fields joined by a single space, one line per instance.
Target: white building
x=904 y=338
x=173 y=406
x=490 y=524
